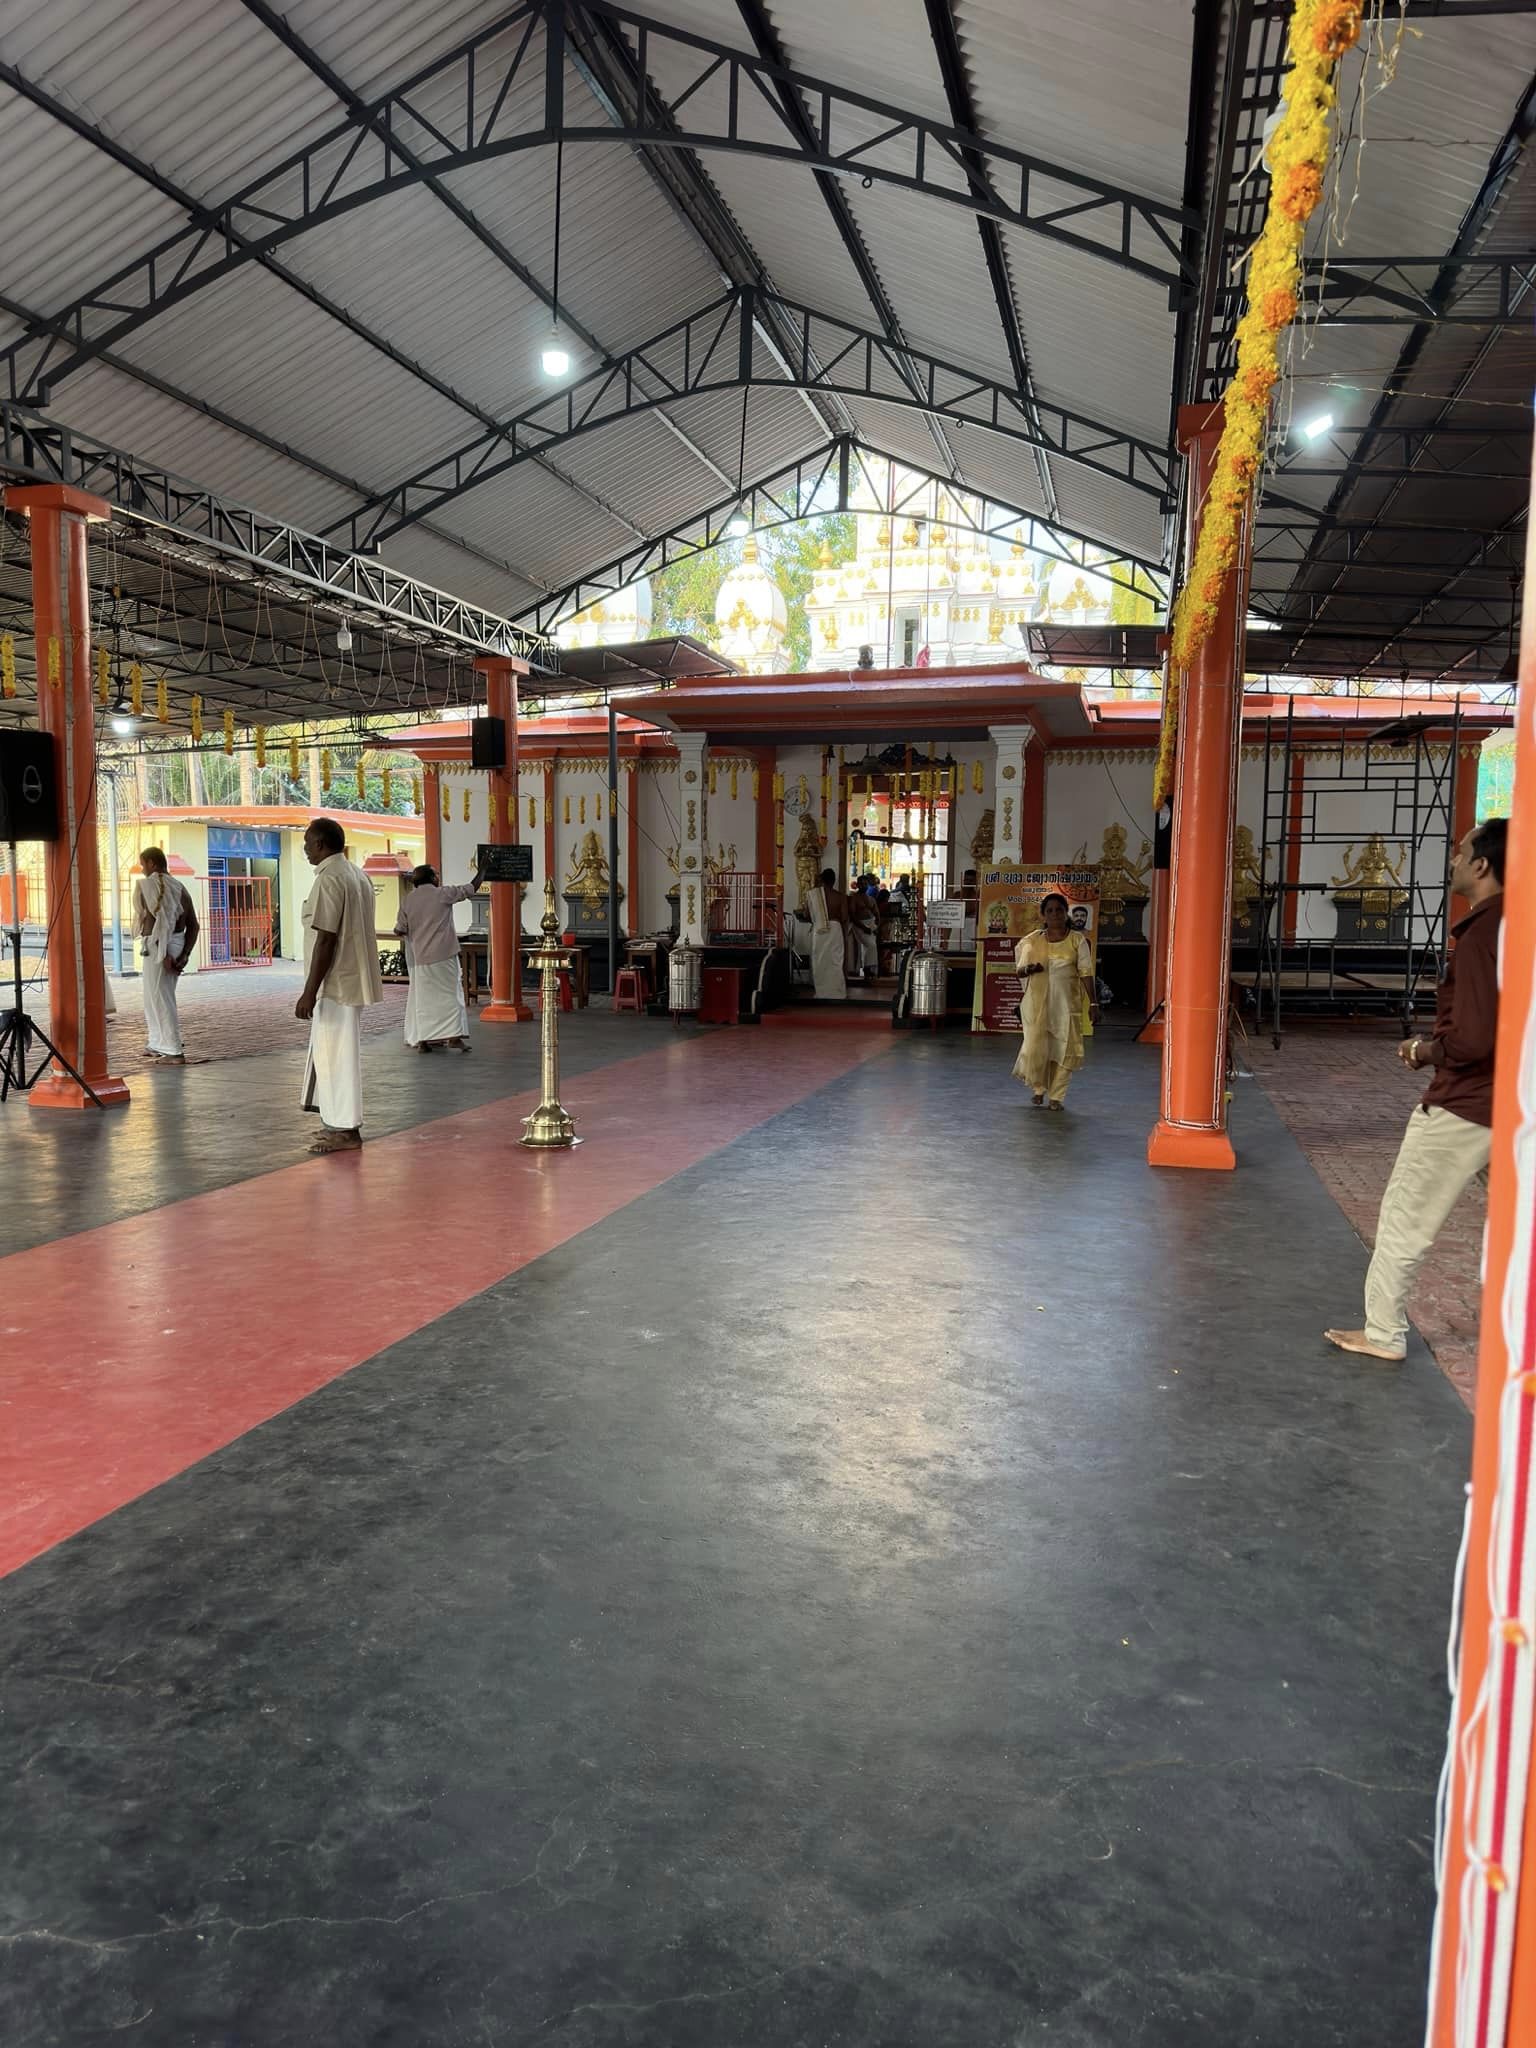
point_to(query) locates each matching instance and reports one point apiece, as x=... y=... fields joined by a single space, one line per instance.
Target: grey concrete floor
x=914 y=1577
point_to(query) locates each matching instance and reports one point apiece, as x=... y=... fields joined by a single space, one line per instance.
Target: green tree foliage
x=683 y=595
x=792 y=554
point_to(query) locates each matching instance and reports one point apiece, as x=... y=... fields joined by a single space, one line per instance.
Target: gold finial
x=1018 y=540
x=909 y=535
x=883 y=537
x=749 y=548
x=824 y=559
x=549 y=923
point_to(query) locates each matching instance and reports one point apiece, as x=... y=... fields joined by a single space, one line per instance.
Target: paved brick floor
x=225 y=1014
x=1346 y=1096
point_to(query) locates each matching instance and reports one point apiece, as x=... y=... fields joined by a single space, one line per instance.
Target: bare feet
x=336 y=1141
x=1358 y=1342
x=1039 y=1100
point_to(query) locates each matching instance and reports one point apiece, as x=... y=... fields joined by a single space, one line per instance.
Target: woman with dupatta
x=1058 y=998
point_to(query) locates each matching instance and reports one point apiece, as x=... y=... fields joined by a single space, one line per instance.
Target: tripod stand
x=18 y=1032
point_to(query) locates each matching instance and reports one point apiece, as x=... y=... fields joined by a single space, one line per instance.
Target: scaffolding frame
x=1423 y=821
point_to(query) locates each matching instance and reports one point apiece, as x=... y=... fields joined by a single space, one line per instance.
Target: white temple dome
x=751 y=617
x=610 y=621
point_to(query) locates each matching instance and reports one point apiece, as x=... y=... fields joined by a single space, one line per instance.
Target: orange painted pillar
x=77 y=974
x=1483 y=1972
x=432 y=815
x=765 y=859
x=1191 y=1129
x=506 y=1006
x=1032 y=809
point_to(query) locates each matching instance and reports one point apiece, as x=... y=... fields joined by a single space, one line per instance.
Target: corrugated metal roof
x=1102 y=87
x=210 y=99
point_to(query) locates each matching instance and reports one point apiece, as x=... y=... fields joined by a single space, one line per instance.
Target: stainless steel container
x=929 y=984
x=685 y=975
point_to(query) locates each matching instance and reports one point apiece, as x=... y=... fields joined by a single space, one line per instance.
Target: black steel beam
x=814 y=485
x=835 y=200
x=1475 y=224
x=360 y=111
x=407 y=138
x=605 y=64
x=711 y=351
x=34 y=445
x=957 y=90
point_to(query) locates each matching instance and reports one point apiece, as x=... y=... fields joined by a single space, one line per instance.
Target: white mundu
x=160 y=902
x=827 y=944
x=342 y=902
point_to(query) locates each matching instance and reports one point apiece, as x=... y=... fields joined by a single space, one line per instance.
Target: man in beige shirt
x=341 y=959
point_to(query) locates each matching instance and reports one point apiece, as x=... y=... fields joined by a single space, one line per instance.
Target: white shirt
x=342 y=901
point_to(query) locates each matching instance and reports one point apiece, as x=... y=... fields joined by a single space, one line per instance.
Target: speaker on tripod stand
x=29 y=812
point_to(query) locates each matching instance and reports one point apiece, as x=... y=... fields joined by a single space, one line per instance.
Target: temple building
x=926 y=587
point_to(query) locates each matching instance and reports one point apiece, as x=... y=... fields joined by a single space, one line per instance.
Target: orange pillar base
x=504 y=1013
x=58 y=1091
x=1206 y=1151
x=1151 y=1033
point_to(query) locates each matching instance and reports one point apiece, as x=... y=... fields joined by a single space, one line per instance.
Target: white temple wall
x=1354 y=813
x=656 y=799
x=1086 y=792
x=973 y=802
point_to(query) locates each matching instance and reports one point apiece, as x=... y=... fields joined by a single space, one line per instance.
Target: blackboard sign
x=505 y=863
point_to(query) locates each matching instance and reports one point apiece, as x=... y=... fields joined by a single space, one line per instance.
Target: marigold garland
x=1320 y=33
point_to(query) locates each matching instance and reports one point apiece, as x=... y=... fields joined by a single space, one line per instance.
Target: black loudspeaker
x=1162 y=838
x=29 y=801
x=487 y=743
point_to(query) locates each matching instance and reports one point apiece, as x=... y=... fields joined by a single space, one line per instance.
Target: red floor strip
x=139 y=1348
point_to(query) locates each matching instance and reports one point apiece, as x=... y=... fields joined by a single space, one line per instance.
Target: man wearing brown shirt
x=1447 y=1141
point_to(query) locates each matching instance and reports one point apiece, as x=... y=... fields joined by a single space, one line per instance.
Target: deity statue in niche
x=1247 y=882
x=982 y=839
x=1122 y=885
x=588 y=879
x=1372 y=904
x=808 y=849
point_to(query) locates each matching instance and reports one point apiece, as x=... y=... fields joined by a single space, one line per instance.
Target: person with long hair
x=1059 y=996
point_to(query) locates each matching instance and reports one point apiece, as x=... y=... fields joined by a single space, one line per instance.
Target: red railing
x=237 y=931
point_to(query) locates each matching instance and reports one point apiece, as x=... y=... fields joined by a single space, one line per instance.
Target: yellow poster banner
x=1007 y=910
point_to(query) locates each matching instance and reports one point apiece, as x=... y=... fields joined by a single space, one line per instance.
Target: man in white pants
x=166 y=922
x=341 y=958
x=1449 y=1134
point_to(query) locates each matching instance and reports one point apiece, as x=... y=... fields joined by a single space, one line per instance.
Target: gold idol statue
x=1121 y=880
x=982 y=840
x=1371 y=884
x=808 y=856
x=1247 y=876
x=588 y=878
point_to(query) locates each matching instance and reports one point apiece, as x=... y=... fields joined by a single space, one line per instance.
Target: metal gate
x=238 y=930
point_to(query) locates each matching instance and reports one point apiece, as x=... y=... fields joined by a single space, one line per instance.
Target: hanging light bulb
x=555 y=357
x=123 y=722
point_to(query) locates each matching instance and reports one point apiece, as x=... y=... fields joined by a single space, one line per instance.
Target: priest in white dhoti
x=435 y=1012
x=829 y=938
x=342 y=977
x=165 y=919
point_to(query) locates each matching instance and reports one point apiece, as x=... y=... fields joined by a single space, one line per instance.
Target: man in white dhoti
x=166 y=922
x=863 y=942
x=435 y=1013
x=341 y=959
x=829 y=938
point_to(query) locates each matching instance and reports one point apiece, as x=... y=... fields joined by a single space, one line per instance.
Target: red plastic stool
x=631 y=990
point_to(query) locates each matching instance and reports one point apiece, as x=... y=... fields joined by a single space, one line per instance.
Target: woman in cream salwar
x=1055 y=964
